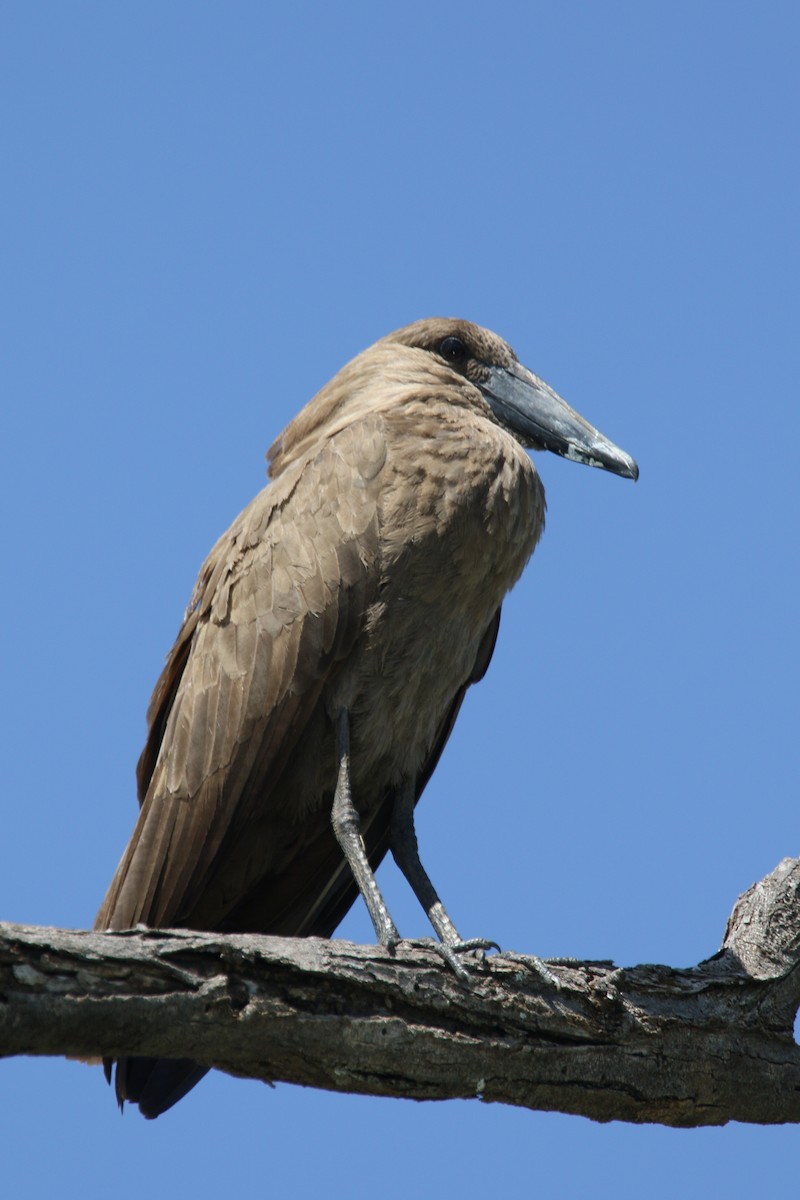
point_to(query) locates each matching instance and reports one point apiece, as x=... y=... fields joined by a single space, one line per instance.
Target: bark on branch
x=680 y=1047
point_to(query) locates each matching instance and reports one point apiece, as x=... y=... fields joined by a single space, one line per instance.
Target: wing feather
x=279 y=602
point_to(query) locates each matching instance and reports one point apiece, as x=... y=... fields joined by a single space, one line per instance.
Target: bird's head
x=518 y=400
x=433 y=357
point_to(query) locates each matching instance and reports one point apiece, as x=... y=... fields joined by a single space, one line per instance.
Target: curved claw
x=474 y=944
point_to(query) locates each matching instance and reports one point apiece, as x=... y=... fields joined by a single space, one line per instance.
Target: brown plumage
x=348 y=608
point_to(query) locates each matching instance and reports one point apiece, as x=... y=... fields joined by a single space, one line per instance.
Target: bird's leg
x=403 y=843
x=347 y=827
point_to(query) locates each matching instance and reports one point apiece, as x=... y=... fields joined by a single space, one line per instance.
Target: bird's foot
x=472 y=948
x=535 y=964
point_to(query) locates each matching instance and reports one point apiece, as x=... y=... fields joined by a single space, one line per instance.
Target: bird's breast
x=461 y=510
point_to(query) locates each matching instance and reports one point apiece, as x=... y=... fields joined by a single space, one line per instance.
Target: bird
x=324 y=656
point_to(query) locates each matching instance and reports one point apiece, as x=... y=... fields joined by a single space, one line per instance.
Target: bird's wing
x=279 y=603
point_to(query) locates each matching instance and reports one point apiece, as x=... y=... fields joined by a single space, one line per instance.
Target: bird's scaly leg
x=403 y=843
x=347 y=827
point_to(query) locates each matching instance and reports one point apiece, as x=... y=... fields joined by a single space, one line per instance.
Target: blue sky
x=208 y=209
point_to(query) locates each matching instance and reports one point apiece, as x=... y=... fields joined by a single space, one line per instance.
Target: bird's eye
x=454 y=350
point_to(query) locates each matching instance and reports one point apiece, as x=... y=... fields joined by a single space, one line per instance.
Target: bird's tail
x=155 y=1084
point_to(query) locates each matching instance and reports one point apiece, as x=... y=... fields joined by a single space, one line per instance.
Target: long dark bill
x=543 y=421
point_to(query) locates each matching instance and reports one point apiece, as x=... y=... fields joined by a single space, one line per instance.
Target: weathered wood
x=699 y=1046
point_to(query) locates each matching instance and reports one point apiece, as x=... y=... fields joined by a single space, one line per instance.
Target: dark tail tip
x=155 y=1084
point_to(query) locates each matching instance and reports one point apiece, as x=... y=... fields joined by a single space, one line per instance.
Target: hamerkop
x=327 y=647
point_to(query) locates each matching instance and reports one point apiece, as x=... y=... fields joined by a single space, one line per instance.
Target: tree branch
x=700 y=1046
